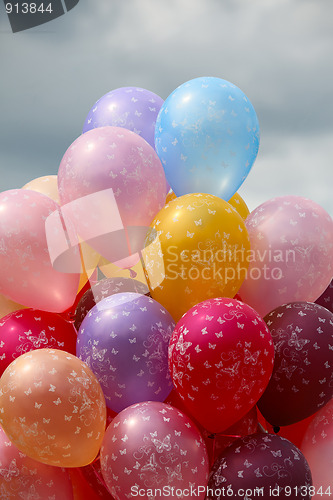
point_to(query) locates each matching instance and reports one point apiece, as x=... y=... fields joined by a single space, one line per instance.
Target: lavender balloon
x=129 y=107
x=124 y=340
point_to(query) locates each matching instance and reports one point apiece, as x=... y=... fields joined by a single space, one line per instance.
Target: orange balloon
x=239 y=204
x=8 y=306
x=47 y=185
x=198 y=249
x=52 y=408
x=170 y=196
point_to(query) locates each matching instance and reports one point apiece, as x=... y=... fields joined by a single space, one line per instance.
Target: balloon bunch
x=147 y=316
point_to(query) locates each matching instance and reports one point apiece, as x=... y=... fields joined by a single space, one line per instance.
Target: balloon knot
x=276 y=429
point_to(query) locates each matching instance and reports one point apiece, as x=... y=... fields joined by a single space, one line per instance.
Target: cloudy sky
x=279 y=52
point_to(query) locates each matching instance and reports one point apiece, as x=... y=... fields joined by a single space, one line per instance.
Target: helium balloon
x=30 y=329
x=105 y=288
x=27 y=275
x=124 y=340
x=301 y=382
x=23 y=477
x=221 y=358
x=110 y=179
x=133 y=108
x=239 y=204
x=52 y=408
x=317 y=447
x=8 y=306
x=326 y=298
x=153 y=445
x=207 y=137
x=262 y=465
x=291 y=256
x=47 y=185
x=200 y=252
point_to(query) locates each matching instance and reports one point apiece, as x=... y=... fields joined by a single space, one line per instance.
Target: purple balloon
x=260 y=463
x=302 y=378
x=124 y=340
x=105 y=288
x=326 y=298
x=129 y=107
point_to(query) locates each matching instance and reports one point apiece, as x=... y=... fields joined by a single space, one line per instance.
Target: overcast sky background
x=279 y=52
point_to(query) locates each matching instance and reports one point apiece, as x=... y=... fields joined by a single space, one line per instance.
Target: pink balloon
x=291 y=257
x=29 y=329
x=27 y=275
x=110 y=178
x=317 y=447
x=150 y=446
x=21 y=477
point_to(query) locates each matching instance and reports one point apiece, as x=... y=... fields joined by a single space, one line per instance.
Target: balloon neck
x=133 y=274
x=276 y=429
x=212 y=436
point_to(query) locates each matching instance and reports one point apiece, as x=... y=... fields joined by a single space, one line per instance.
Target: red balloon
x=260 y=463
x=29 y=329
x=221 y=358
x=326 y=298
x=301 y=382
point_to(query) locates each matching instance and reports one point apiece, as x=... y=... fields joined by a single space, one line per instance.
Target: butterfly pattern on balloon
x=155 y=451
x=302 y=379
x=79 y=405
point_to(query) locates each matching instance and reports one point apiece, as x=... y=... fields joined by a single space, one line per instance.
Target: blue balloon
x=207 y=137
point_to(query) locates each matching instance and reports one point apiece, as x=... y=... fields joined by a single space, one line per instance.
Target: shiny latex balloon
x=109 y=179
x=81 y=488
x=48 y=185
x=52 y=408
x=291 y=253
x=326 y=298
x=302 y=377
x=133 y=108
x=27 y=275
x=170 y=196
x=8 y=306
x=124 y=340
x=207 y=137
x=263 y=466
x=220 y=358
x=29 y=329
x=90 y=480
x=197 y=250
x=102 y=289
x=23 y=477
x=239 y=204
x=317 y=447
x=153 y=445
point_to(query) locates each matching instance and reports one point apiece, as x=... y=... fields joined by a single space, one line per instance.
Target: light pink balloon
x=27 y=275
x=150 y=446
x=127 y=179
x=317 y=447
x=21 y=477
x=291 y=257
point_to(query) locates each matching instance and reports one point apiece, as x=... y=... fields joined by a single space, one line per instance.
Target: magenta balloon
x=133 y=108
x=317 y=447
x=27 y=275
x=118 y=159
x=124 y=340
x=29 y=329
x=260 y=466
x=221 y=357
x=291 y=257
x=326 y=298
x=21 y=477
x=302 y=379
x=151 y=446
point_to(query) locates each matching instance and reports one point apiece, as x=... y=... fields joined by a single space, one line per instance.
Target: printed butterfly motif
x=174 y=473
x=251 y=358
x=151 y=465
x=10 y=472
x=162 y=445
x=294 y=341
x=98 y=354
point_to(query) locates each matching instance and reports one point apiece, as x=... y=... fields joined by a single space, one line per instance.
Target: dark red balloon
x=302 y=379
x=326 y=298
x=105 y=288
x=260 y=463
x=29 y=329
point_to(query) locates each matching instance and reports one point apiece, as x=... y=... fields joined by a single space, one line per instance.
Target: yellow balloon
x=8 y=306
x=239 y=204
x=52 y=408
x=197 y=249
x=47 y=185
